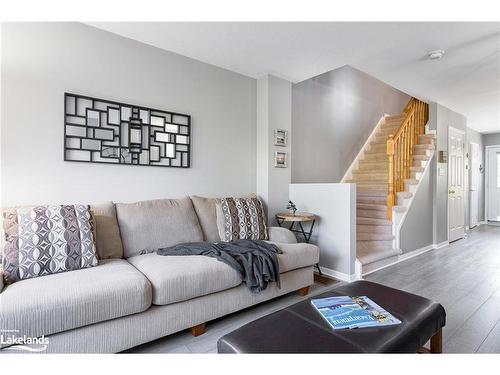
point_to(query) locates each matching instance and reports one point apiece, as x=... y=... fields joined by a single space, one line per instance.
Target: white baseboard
x=338 y=275
x=440 y=245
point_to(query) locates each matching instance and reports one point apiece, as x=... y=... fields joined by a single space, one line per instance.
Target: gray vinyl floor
x=464 y=277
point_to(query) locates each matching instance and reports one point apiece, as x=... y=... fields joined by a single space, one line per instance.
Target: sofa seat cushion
x=297 y=255
x=63 y=301
x=180 y=278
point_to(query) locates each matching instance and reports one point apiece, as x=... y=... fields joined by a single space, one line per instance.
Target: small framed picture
x=280 y=137
x=280 y=159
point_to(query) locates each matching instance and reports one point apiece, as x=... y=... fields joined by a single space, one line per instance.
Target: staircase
x=375 y=230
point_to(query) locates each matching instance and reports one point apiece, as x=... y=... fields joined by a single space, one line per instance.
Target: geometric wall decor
x=104 y=131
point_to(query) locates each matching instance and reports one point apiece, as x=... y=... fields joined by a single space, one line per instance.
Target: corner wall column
x=274 y=111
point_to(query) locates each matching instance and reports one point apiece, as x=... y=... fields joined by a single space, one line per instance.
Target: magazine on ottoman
x=353 y=312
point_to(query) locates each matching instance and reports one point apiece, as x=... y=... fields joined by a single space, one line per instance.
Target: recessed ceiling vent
x=435 y=55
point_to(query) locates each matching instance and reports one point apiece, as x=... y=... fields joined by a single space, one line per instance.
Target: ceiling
x=466 y=79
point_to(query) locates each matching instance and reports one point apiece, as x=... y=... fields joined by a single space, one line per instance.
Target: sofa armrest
x=281 y=235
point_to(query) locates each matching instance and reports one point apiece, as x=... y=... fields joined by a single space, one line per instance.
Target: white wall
x=40 y=61
x=335 y=229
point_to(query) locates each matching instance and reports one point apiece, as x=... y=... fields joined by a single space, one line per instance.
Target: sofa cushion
x=205 y=209
x=68 y=300
x=44 y=240
x=297 y=255
x=179 y=278
x=147 y=226
x=241 y=218
x=108 y=241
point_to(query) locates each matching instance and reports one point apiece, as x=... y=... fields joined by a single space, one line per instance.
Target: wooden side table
x=299 y=218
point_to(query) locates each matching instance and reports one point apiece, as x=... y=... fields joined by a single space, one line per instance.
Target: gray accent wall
x=333 y=115
x=474 y=136
x=491 y=139
x=417 y=230
x=40 y=61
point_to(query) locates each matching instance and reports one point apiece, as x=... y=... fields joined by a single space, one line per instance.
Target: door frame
x=486 y=166
x=469 y=186
x=448 y=179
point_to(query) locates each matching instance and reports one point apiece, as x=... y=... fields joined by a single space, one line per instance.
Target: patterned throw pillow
x=241 y=219
x=43 y=240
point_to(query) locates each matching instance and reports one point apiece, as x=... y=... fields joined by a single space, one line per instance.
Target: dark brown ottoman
x=300 y=328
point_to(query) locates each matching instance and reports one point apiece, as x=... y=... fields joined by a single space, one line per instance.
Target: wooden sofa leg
x=199 y=329
x=303 y=291
x=437 y=342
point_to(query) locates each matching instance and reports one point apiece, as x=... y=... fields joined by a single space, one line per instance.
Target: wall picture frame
x=280 y=137
x=280 y=159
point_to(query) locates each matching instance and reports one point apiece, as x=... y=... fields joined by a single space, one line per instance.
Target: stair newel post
x=390 y=179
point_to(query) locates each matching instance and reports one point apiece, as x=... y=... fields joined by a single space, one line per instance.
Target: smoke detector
x=435 y=55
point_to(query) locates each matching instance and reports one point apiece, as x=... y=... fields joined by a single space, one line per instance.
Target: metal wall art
x=104 y=131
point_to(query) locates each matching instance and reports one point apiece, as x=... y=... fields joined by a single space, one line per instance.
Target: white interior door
x=456 y=209
x=474 y=185
x=493 y=183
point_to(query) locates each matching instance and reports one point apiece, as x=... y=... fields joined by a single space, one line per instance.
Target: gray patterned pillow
x=241 y=219
x=43 y=240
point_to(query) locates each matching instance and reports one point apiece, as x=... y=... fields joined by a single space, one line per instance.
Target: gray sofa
x=135 y=296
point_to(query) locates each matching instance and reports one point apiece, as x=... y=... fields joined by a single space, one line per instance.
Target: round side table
x=299 y=218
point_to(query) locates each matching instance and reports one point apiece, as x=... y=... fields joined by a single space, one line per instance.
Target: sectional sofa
x=133 y=295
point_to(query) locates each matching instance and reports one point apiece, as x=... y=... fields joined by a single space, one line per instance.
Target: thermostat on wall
x=443 y=156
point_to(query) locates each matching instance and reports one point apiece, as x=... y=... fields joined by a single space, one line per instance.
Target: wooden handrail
x=400 y=148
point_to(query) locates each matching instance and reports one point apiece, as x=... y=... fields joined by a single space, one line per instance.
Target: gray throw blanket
x=256 y=261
